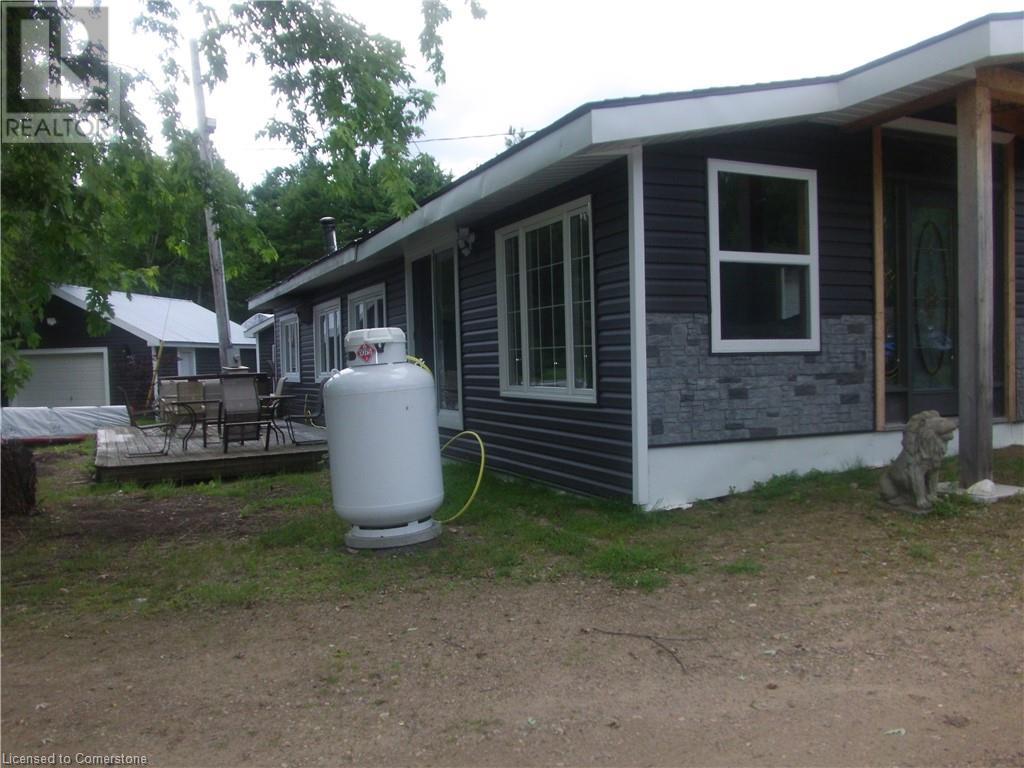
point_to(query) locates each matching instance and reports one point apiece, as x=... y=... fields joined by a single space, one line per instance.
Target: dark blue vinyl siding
x=586 y=448
x=207 y=361
x=391 y=273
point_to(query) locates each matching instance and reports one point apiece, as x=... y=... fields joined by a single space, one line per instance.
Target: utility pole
x=220 y=289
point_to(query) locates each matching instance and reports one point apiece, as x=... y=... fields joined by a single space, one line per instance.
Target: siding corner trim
x=638 y=324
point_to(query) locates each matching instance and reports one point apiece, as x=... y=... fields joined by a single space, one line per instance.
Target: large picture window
x=545 y=273
x=290 y=348
x=327 y=338
x=763 y=222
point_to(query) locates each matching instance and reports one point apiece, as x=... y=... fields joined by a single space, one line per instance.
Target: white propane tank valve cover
x=374 y=346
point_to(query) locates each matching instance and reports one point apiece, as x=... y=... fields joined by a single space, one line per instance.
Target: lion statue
x=913 y=476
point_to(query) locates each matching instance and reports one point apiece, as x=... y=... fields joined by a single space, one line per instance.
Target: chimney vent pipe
x=330 y=234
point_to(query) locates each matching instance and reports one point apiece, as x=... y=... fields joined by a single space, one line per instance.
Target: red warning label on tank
x=365 y=352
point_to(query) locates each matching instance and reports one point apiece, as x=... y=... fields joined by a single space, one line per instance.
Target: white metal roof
x=156 y=319
x=596 y=133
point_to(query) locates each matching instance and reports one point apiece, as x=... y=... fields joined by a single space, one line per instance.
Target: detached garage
x=173 y=337
x=66 y=377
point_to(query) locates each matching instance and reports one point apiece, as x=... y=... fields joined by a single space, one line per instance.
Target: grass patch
x=279 y=540
x=920 y=551
x=954 y=505
x=742 y=567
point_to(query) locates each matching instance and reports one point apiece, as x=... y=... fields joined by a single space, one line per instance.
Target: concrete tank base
x=418 y=532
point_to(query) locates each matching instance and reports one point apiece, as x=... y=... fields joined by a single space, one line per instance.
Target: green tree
x=289 y=203
x=114 y=216
x=513 y=136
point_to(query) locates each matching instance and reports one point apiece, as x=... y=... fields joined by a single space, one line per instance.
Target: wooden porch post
x=974 y=218
x=878 y=229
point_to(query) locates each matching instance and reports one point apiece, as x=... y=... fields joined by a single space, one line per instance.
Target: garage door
x=65 y=378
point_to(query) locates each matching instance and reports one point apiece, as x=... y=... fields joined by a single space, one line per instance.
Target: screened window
x=327 y=338
x=366 y=309
x=290 y=348
x=764 y=258
x=545 y=305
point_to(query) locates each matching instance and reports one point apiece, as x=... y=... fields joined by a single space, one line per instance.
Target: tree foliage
x=513 y=136
x=289 y=202
x=346 y=93
x=119 y=216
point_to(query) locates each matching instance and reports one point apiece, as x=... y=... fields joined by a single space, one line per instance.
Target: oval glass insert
x=931 y=298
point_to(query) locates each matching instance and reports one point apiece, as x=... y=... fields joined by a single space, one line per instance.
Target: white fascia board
x=1006 y=37
x=115 y=321
x=995 y=40
x=638 y=121
x=568 y=140
x=262 y=325
x=203 y=345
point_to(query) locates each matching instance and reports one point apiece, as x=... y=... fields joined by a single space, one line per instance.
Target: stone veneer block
x=695 y=397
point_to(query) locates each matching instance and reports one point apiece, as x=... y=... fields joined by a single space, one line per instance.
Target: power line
x=474 y=136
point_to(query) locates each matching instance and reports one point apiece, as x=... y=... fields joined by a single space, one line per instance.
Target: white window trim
x=334 y=305
x=290 y=320
x=718 y=256
x=379 y=289
x=446 y=417
x=568 y=393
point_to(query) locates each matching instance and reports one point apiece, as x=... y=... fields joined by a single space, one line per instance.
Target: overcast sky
x=531 y=61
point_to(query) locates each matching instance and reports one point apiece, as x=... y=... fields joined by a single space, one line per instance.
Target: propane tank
x=382 y=437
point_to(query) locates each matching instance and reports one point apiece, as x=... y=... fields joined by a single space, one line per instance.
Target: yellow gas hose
x=483 y=452
x=479 y=475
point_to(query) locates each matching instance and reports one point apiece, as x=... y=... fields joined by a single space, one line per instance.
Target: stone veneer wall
x=1020 y=369
x=696 y=397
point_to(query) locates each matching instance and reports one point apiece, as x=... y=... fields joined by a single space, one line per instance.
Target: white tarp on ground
x=42 y=422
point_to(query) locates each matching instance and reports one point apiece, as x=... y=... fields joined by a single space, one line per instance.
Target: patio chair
x=139 y=419
x=240 y=413
x=273 y=407
x=212 y=395
x=309 y=418
x=181 y=407
x=201 y=410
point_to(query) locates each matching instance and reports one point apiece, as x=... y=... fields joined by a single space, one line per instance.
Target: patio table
x=192 y=407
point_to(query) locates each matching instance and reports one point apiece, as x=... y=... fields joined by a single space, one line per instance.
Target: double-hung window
x=366 y=308
x=289 y=330
x=763 y=222
x=545 y=274
x=327 y=338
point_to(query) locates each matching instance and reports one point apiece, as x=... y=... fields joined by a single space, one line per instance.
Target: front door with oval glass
x=920 y=302
x=921 y=291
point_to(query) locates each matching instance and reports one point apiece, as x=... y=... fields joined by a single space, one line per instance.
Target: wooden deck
x=113 y=462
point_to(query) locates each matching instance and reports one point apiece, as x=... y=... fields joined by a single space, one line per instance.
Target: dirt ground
x=735 y=672
x=821 y=659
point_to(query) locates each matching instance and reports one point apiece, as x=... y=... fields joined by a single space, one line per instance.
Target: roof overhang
x=256 y=324
x=597 y=133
